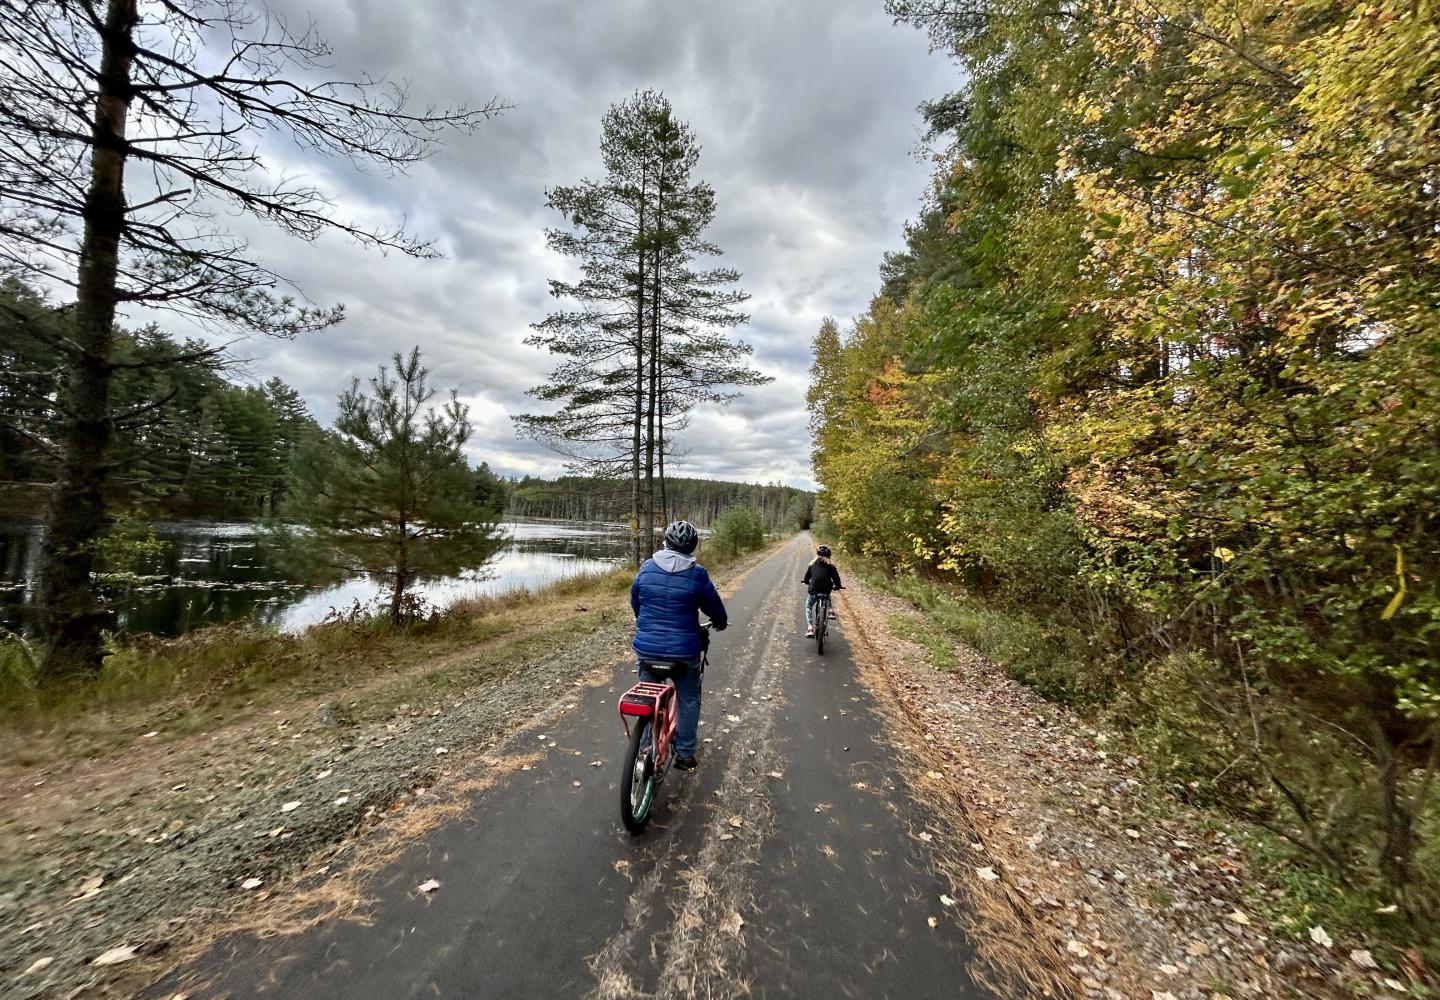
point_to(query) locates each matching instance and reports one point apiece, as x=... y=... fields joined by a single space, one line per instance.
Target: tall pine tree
x=645 y=343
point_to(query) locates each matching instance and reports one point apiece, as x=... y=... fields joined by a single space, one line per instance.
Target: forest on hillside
x=1154 y=387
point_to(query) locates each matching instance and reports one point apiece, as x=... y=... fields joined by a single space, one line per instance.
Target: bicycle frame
x=821 y=611
x=656 y=701
x=648 y=700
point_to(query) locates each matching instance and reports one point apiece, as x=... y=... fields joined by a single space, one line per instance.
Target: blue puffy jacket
x=668 y=591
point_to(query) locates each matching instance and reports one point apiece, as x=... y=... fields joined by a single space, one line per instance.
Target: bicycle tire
x=820 y=629
x=636 y=814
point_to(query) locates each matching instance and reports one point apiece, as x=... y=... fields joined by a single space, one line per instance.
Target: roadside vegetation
x=237 y=669
x=1146 y=411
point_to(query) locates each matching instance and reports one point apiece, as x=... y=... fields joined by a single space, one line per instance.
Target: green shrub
x=740 y=529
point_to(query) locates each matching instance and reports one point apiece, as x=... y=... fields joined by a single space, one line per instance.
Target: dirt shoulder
x=1123 y=893
x=151 y=840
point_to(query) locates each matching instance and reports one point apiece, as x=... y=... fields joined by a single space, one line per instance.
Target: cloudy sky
x=805 y=110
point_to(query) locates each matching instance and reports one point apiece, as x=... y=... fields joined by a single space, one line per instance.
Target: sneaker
x=686 y=763
x=831 y=616
x=810 y=632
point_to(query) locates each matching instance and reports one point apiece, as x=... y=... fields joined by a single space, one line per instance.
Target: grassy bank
x=225 y=673
x=1168 y=714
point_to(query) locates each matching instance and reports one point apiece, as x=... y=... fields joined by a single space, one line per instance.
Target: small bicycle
x=823 y=613
x=651 y=739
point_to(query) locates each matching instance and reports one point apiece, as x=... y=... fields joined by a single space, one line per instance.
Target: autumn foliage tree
x=1158 y=370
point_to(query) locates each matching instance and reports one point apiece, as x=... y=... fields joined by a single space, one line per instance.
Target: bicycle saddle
x=664 y=668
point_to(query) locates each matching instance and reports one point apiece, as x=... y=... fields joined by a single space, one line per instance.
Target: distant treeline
x=702 y=501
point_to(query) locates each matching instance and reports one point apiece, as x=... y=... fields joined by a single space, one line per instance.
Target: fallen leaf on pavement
x=1196 y=949
x=252 y=883
x=1364 y=959
x=934 y=775
x=429 y=885
x=988 y=874
x=732 y=924
x=932 y=921
x=116 y=955
x=925 y=836
x=89 y=889
x=290 y=806
x=1077 y=949
x=777 y=775
x=37 y=965
x=736 y=822
x=1236 y=917
x=1321 y=937
x=947 y=901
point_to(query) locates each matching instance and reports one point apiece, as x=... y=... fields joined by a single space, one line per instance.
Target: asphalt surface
x=785 y=866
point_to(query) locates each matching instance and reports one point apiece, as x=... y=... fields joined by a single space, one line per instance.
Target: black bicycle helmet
x=682 y=537
x=824 y=551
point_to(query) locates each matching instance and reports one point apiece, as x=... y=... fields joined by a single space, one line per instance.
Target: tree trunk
x=656 y=399
x=402 y=577
x=664 y=498
x=639 y=381
x=72 y=617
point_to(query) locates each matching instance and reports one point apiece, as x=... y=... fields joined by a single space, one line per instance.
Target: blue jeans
x=687 y=697
x=810 y=603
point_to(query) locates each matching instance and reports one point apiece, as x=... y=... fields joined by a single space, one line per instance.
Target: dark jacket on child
x=822 y=577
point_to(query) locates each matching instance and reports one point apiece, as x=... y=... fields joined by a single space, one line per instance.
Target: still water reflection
x=213 y=572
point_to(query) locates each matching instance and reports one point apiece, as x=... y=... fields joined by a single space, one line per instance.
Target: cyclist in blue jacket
x=669 y=590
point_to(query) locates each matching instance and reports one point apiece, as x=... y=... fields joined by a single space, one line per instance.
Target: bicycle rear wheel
x=820 y=628
x=637 y=780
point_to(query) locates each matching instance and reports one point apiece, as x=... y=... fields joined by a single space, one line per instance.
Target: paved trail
x=544 y=894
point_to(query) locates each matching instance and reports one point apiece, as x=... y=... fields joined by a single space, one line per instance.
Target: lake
x=211 y=573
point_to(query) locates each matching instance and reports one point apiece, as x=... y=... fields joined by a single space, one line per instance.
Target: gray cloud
x=805 y=111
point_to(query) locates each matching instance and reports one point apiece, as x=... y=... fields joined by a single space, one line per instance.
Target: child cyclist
x=821 y=577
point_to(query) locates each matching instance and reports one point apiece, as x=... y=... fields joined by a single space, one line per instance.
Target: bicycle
x=822 y=614
x=647 y=759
